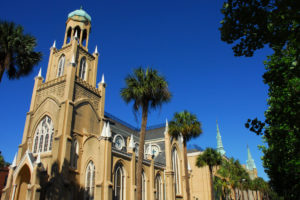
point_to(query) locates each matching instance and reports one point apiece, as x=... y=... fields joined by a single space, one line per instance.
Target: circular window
x=119 y=143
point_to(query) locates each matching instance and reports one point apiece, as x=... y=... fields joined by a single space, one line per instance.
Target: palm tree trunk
x=5 y=65
x=141 y=152
x=187 y=183
x=1 y=72
x=211 y=182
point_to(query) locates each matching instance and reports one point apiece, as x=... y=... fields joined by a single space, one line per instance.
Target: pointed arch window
x=74 y=154
x=82 y=68
x=144 y=186
x=43 y=136
x=89 y=181
x=119 y=183
x=61 y=66
x=159 y=188
x=176 y=169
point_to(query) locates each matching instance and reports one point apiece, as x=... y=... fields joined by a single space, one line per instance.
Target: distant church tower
x=220 y=147
x=250 y=166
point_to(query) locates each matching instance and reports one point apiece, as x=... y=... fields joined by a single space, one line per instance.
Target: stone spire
x=220 y=147
x=250 y=162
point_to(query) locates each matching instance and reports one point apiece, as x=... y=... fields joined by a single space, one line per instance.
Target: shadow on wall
x=61 y=185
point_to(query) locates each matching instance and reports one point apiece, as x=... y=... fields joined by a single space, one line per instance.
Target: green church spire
x=220 y=147
x=250 y=162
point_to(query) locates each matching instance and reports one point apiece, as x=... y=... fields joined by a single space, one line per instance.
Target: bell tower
x=66 y=110
x=74 y=50
x=78 y=26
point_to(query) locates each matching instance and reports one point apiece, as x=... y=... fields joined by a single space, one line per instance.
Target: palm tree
x=226 y=171
x=258 y=185
x=17 y=55
x=186 y=125
x=211 y=158
x=146 y=89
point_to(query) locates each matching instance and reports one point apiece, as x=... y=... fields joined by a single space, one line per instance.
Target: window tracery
x=43 y=136
x=119 y=183
x=176 y=169
x=90 y=181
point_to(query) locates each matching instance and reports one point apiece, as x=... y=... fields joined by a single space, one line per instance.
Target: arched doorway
x=22 y=183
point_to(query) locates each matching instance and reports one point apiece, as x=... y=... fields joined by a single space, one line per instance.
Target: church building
x=72 y=149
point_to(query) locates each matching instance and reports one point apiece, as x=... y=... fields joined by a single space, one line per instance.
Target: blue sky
x=178 y=38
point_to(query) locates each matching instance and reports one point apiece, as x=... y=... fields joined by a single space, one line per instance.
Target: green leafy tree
x=186 y=125
x=257 y=185
x=211 y=158
x=146 y=88
x=250 y=25
x=3 y=163
x=17 y=55
x=227 y=170
x=222 y=188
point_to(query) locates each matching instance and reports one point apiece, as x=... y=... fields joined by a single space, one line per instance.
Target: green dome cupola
x=81 y=13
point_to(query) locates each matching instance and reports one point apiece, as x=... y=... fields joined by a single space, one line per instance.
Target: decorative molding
x=54 y=88
x=86 y=53
x=82 y=92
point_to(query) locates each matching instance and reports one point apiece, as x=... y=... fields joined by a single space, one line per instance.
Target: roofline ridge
x=109 y=115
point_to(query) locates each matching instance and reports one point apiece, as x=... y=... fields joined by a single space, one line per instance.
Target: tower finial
x=131 y=142
x=167 y=127
x=54 y=44
x=102 y=79
x=14 y=163
x=40 y=73
x=108 y=131
x=81 y=7
x=96 y=50
x=103 y=133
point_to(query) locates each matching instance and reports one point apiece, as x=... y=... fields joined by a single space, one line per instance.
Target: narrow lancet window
x=119 y=183
x=61 y=65
x=89 y=181
x=176 y=169
x=159 y=188
x=82 y=68
x=74 y=154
